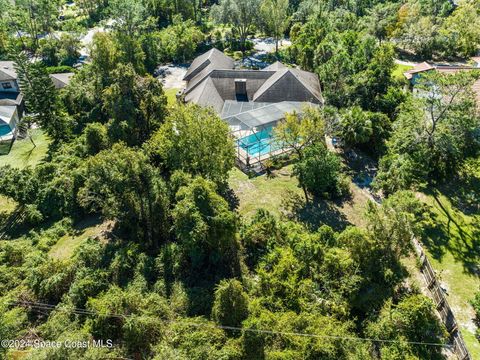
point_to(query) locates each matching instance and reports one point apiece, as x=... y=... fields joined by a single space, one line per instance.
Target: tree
x=230 y=306
x=179 y=41
x=136 y=105
x=35 y=17
x=355 y=126
x=96 y=138
x=371 y=84
x=364 y=128
x=412 y=319
x=433 y=133
x=41 y=98
x=394 y=224
x=123 y=186
x=381 y=20
x=194 y=140
x=105 y=57
x=206 y=229
x=275 y=17
x=241 y=14
x=298 y=131
x=130 y=21
x=318 y=172
x=462 y=29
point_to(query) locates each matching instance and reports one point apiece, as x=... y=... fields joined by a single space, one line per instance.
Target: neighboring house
x=61 y=80
x=8 y=77
x=12 y=99
x=11 y=105
x=250 y=101
x=8 y=127
x=416 y=72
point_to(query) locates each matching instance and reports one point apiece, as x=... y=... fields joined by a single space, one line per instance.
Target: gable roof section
x=206 y=94
x=310 y=81
x=443 y=68
x=212 y=59
x=61 y=80
x=7 y=71
x=224 y=80
x=277 y=65
x=290 y=85
x=424 y=66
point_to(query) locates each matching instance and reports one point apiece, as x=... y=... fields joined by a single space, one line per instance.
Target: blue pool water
x=259 y=143
x=4 y=130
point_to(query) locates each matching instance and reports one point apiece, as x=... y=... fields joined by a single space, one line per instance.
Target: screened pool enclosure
x=252 y=124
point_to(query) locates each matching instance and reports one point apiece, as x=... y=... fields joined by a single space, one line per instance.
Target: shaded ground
x=281 y=196
x=23 y=152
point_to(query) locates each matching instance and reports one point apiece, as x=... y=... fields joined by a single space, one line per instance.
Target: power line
x=80 y=311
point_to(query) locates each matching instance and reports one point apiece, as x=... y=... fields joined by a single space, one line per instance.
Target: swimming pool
x=260 y=143
x=4 y=130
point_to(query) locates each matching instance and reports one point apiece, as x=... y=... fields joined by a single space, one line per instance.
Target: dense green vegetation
x=134 y=226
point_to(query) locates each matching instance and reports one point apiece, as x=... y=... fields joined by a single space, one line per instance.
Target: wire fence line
x=443 y=308
x=35 y=306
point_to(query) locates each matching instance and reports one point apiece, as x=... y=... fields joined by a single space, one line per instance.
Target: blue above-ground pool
x=258 y=144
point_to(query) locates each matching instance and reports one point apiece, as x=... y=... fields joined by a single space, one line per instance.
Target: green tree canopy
x=194 y=140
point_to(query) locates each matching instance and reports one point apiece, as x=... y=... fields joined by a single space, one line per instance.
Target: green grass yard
x=24 y=154
x=399 y=70
x=66 y=245
x=453 y=246
x=272 y=194
x=171 y=96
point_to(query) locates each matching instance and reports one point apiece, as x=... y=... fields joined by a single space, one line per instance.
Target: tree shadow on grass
x=461 y=239
x=315 y=213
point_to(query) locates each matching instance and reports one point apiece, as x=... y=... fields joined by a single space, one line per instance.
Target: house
x=8 y=127
x=61 y=80
x=416 y=72
x=250 y=101
x=12 y=103
x=8 y=77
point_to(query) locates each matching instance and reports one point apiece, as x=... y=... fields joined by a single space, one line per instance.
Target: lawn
x=23 y=152
x=272 y=194
x=453 y=246
x=66 y=246
x=399 y=70
x=171 y=96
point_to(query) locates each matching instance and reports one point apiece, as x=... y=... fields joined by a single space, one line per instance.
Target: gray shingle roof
x=212 y=59
x=206 y=94
x=277 y=65
x=61 y=80
x=7 y=71
x=211 y=81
